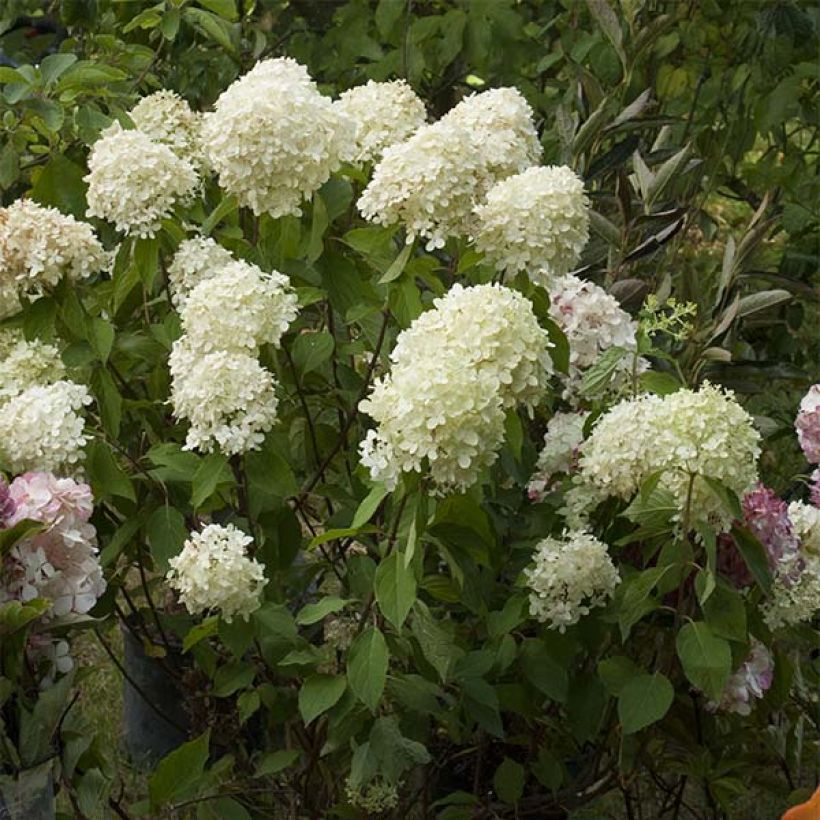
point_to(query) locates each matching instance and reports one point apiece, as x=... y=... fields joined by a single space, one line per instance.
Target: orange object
x=805 y=811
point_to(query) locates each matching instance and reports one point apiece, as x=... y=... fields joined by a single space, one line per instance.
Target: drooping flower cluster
x=807 y=425
x=38 y=247
x=536 y=221
x=384 y=113
x=228 y=309
x=686 y=436
x=135 y=182
x=805 y=519
x=273 y=139
x=167 y=119
x=213 y=573
x=593 y=323
x=749 y=682
x=432 y=183
x=570 y=577
x=455 y=371
x=60 y=562
x=564 y=435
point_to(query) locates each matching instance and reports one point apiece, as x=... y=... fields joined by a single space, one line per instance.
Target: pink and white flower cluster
x=750 y=681
x=59 y=562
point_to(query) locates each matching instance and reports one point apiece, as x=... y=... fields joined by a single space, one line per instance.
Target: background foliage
x=711 y=107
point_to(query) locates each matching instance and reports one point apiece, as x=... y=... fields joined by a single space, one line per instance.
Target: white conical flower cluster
x=195 y=260
x=432 y=183
x=455 y=372
x=38 y=247
x=25 y=363
x=570 y=576
x=213 y=573
x=384 y=113
x=228 y=309
x=135 y=182
x=688 y=437
x=238 y=307
x=536 y=221
x=167 y=119
x=41 y=426
x=273 y=139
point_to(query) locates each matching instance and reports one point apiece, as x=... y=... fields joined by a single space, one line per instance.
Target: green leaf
x=213 y=27
x=481 y=704
x=312 y=613
x=644 y=700
x=725 y=613
x=369 y=506
x=395 y=752
x=635 y=602
x=232 y=677
x=199 y=632
x=179 y=772
x=367 y=667
x=706 y=659
x=437 y=643
x=102 y=338
x=508 y=781
x=166 y=531
x=54 y=65
x=665 y=174
x=227 y=205
x=616 y=672
x=333 y=535
x=754 y=555
x=559 y=351
x=212 y=471
x=61 y=185
x=274 y=762
x=395 y=589
x=109 y=401
x=543 y=671
x=22 y=529
x=727 y=497
x=598 y=377
x=397 y=266
x=224 y=8
x=107 y=477
x=311 y=350
x=318 y=694
x=608 y=20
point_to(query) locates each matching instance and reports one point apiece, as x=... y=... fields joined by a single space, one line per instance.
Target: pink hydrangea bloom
x=814 y=492
x=750 y=681
x=807 y=424
x=7 y=505
x=767 y=517
x=60 y=563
